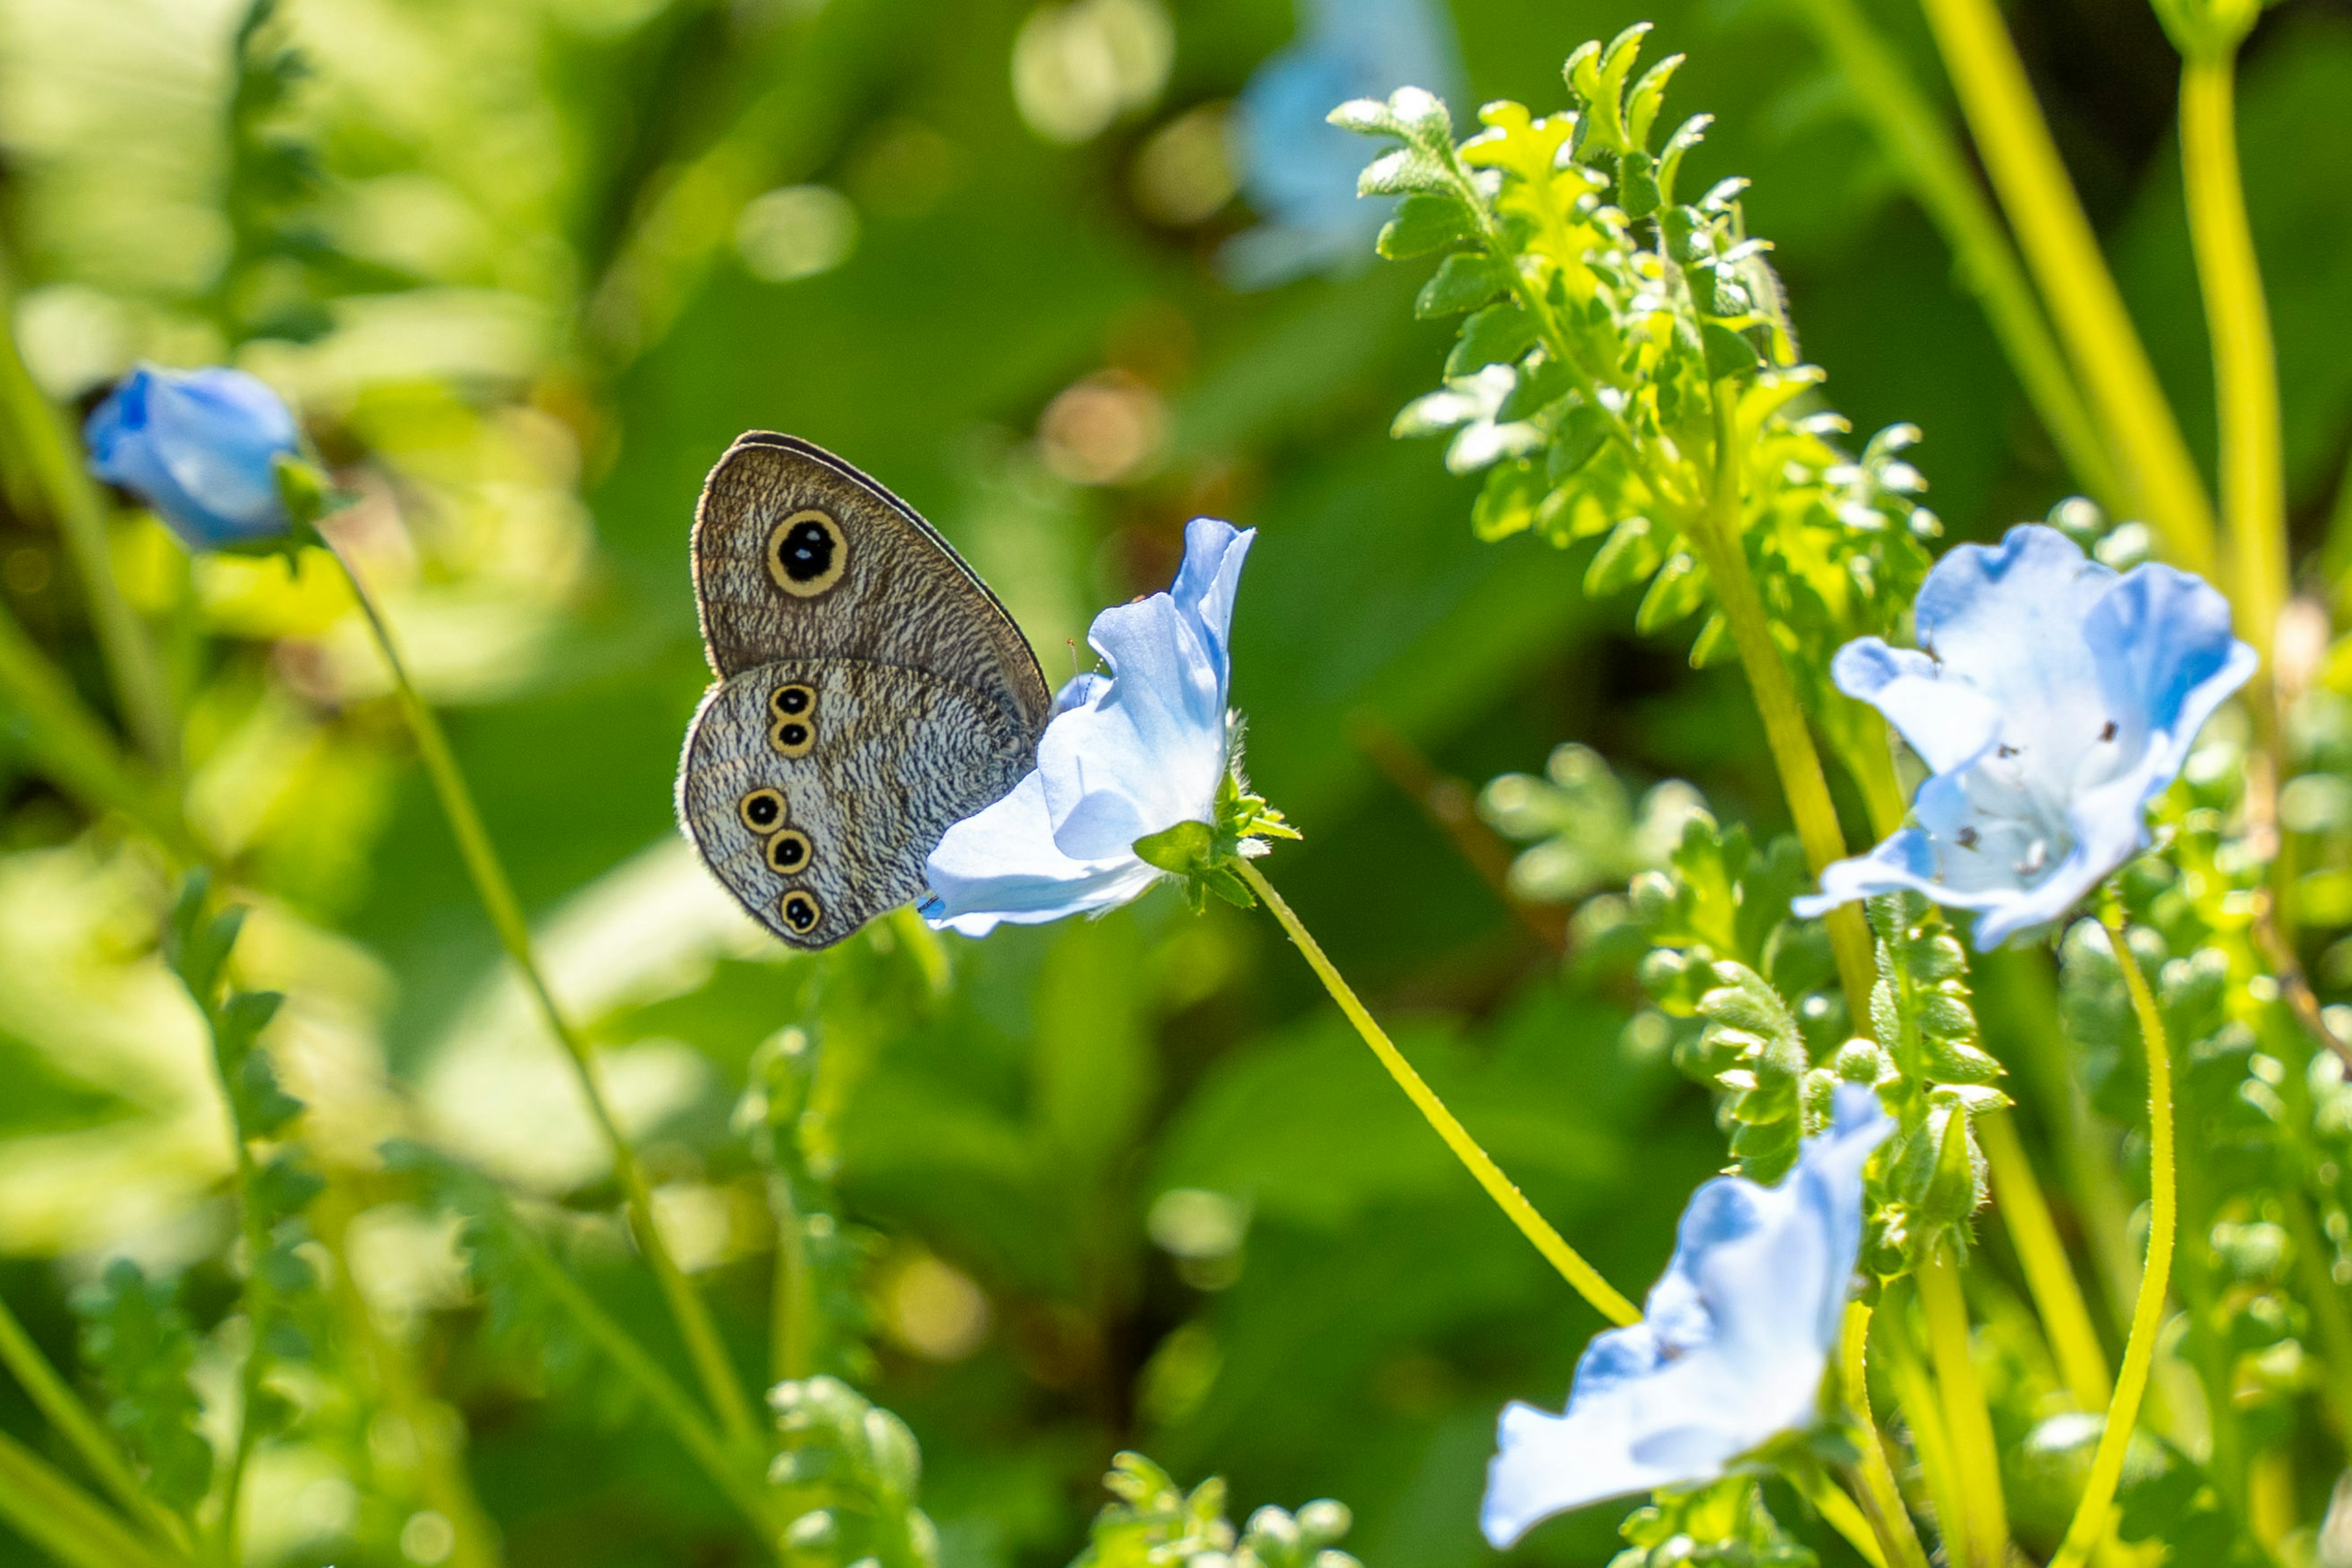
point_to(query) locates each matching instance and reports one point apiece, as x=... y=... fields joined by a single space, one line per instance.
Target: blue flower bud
x=200 y=447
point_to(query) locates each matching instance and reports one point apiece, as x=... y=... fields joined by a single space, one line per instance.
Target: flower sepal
x=1204 y=855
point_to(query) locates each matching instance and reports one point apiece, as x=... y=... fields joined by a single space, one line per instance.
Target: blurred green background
x=526 y=267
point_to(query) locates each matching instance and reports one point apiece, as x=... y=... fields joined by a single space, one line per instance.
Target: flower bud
x=199 y=447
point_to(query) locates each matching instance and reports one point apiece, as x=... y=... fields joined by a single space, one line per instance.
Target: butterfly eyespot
x=762 y=810
x=807 y=554
x=801 y=912
x=789 y=852
x=792 y=702
x=792 y=737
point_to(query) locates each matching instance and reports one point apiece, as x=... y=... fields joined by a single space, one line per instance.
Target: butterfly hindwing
x=816 y=789
x=797 y=554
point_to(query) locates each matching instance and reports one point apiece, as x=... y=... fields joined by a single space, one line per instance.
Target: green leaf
x=1464 y=280
x=1186 y=849
x=135 y=1336
x=1499 y=334
x=1427 y=221
x=1729 y=354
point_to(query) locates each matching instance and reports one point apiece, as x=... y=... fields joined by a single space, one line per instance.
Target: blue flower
x=1299 y=171
x=1127 y=755
x=1729 y=1351
x=2053 y=700
x=200 y=447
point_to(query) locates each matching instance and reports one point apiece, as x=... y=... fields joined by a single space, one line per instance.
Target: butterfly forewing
x=799 y=555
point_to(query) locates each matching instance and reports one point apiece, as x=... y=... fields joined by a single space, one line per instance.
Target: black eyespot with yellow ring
x=796 y=700
x=762 y=810
x=789 y=852
x=801 y=912
x=806 y=553
x=793 y=737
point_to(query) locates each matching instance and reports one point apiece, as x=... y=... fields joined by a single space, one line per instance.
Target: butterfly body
x=872 y=691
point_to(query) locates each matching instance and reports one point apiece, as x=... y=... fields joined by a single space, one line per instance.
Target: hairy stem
x=38 y=437
x=57 y=1403
x=1716 y=533
x=1914 y=1397
x=717 y=1374
x=2158 y=474
x=1839 y=1512
x=1968 y=1422
x=791 y=1306
x=62 y=1519
x=1583 y=1276
x=678 y=1412
x=1914 y=131
x=2092 y=1515
x=1882 y=1498
x=2065 y=1317
x=2245 y=364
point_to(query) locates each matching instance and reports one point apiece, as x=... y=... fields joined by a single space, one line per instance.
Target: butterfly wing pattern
x=872 y=691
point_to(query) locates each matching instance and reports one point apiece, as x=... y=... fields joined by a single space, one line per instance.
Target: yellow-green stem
x=2245 y=361
x=75 y=751
x=1967 y=1423
x=1839 y=1512
x=792 y=1324
x=1914 y=131
x=1583 y=1276
x=716 y=1371
x=2091 y=1514
x=62 y=1519
x=1914 y=1395
x=2153 y=464
x=49 y=1395
x=2065 y=1317
x=1716 y=533
x=2325 y=1298
x=1882 y=1498
x=43 y=443
x=725 y=1471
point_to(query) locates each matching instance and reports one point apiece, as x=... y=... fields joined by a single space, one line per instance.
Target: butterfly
x=872 y=691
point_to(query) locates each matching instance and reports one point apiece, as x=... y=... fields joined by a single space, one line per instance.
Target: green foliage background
x=493 y=247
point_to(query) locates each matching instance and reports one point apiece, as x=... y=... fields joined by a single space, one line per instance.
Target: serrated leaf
x=1427 y=221
x=141 y=1347
x=1499 y=334
x=1464 y=280
x=263 y=1107
x=1676 y=594
x=1579 y=438
x=1509 y=502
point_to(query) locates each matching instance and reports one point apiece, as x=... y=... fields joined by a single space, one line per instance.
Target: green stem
x=2245 y=363
x=669 y=1400
x=40 y=438
x=57 y=1403
x=1717 y=534
x=1914 y=1395
x=2065 y=1317
x=77 y=751
x=1968 y=1422
x=2325 y=1298
x=2090 y=1516
x=1922 y=147
x=1881 y=1497
x=717 y=1375
x=62 y=1519
x=2085 y=305
x=1583 y=1276
x=260 y=1312
x=2018 y=980
x=1839 y=1512
x=793 y=1314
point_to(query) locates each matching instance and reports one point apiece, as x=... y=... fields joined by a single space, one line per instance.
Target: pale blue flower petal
x=1127 y=755
x=1948 y=722
x=1002 y=866
x=1730 y=1350
x=2055 y=700
x=1149 y=750
x=199 y=447
x=1298 y=170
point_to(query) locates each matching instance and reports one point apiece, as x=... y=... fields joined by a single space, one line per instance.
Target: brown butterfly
x=872 y=692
